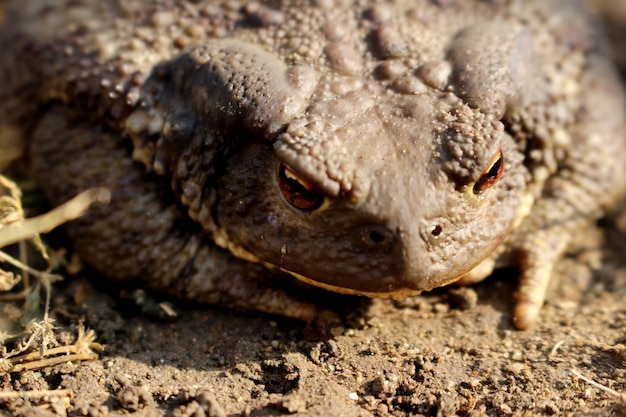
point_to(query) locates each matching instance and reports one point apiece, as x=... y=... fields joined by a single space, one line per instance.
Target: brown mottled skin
x=367 y=147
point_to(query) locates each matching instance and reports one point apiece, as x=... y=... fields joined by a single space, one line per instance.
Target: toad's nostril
x=376 y=236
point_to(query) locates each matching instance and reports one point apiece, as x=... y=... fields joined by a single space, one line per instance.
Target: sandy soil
x=452 y=352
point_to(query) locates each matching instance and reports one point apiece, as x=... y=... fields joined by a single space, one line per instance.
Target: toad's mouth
x=395 y=293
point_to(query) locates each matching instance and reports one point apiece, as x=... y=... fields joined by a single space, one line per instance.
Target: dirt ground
x=451 y=352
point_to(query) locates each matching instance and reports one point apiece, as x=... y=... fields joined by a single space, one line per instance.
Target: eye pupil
x=297 y=192
x=491 y=175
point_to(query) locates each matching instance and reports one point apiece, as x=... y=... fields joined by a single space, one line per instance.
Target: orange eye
x=297 y=191
x=491 y=175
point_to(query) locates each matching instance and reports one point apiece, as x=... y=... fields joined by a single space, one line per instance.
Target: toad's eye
x=491 y=175
x=298 y=192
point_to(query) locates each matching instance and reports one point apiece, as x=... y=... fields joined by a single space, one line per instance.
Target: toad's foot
x=538 y=255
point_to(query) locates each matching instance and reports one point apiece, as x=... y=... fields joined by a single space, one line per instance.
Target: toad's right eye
x=298 y=192
x=491 y=175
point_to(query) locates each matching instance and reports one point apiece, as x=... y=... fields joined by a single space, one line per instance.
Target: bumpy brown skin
x=391 y=114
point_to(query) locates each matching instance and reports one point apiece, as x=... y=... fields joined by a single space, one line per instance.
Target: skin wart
x=374 y=148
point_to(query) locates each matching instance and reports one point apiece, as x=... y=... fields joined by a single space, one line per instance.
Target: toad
x=365 y=147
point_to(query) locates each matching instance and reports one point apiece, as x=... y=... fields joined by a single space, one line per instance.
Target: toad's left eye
x=491 y=175
x=297 y=191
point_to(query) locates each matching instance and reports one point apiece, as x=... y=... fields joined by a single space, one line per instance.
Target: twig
x=34 y=394
x=42 y=275
x=81 y=350
x=599 y=386
x=70 y=210
x=45 y=363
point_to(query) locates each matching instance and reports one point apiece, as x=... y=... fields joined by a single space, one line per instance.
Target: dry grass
x=27 y=333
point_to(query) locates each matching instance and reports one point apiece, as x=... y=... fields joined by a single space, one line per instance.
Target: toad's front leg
x=143 y=237
x=589 y=180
